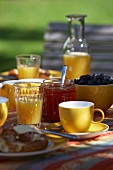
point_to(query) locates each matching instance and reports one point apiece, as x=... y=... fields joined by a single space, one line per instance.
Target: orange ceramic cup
x=7 y=90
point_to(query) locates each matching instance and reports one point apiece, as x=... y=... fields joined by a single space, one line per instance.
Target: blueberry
x=90 y=82
x=95 y=79
x=99 y=82
x=82 y=82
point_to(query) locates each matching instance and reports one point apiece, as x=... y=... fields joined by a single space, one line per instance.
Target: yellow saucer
x=95 y=130
x=95 y=127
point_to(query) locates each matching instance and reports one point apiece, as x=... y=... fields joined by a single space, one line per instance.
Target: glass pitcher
x=76 y=50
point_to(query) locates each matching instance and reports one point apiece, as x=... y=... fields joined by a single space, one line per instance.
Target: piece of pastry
x=22 y=138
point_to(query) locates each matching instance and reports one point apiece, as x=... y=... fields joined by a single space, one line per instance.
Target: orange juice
x=28 y=65
x=29 y=112
x=27 y=72
x=78 y=63
x=29 y=97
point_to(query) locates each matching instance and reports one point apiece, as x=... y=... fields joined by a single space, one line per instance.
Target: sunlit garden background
x=23 y=23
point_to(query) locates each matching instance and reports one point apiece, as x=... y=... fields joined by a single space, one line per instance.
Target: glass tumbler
x=28 y=66
x=29 y=99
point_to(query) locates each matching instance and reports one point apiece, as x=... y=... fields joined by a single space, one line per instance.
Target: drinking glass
x=28 y=66
x=29 y=97
x=53 y=94
x=76 y=53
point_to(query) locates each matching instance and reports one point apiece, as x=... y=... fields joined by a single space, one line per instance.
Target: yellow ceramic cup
x=77 y=116
x=3 y=110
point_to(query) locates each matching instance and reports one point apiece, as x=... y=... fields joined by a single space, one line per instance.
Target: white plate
x=53 y=144
x=32 y=80
x=22 y=80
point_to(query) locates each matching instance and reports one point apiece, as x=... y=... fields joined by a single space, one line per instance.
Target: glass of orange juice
x=28 y=66
x=7 y=90
x=29 y=97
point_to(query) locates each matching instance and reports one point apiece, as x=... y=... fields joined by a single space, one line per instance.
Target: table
x=96 y=153
x=91 y=154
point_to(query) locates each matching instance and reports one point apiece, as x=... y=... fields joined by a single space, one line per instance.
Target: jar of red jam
x=53 y=94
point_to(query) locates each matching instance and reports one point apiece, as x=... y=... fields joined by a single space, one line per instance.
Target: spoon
x=54 y=127
x=64 y=69
x=69 y=136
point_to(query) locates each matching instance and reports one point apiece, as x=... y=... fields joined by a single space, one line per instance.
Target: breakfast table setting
x=90 y=150
x=56 y=120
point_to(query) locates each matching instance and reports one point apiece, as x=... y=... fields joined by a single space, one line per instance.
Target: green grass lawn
x=23 y=23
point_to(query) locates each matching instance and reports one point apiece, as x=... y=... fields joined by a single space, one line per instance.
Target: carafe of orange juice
x=76 y=50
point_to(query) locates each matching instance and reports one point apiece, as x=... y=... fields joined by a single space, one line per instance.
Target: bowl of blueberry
x=96 y=88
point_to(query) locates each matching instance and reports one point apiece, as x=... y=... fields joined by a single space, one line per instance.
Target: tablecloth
x=90 y=154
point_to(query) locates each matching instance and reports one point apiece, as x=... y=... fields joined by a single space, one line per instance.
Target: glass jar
x=76 y=50
x=53 y=94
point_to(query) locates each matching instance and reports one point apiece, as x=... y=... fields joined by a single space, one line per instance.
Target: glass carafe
x=76 y=50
